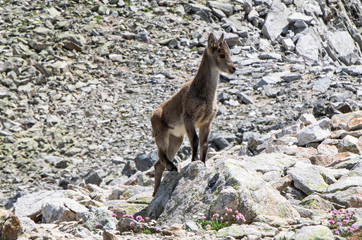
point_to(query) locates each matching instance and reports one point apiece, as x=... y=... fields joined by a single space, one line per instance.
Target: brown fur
x=192 y=107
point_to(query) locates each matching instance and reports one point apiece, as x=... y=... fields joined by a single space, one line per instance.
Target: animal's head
x=220 y=52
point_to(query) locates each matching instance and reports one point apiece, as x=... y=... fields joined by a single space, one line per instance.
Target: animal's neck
x=207 y=77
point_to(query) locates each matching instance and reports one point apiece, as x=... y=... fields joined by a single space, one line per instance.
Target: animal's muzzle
x=232 y=69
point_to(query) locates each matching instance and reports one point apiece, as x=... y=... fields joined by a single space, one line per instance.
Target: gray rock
x=72 y=41
x=232 y=39
x=228 y=9
x=345 y=183
x=62 y=210
x=218 y=142
x=180 y=10
x=296 y=16
x=322 y=85
x=218 y=13
x=343 y=45
x=276 y=21
x=288 y=44
x=243 y=98
x=92 y=177
x=31 y=205
x=351 y=197
x=146 y=161
x=308 y=119
x=352 y=70
x=164 y=192
x=240 y=231
x=312 y=232
x=315 y=202
x=307 y=178
x=351 y=144
x=310 y=7
x=291 y=77
x=268 y=55
x=142 y=36
x=253 y=15
x=273 y=162
x=193 y=8
x=272 y=78
x=300 y=24
x=271 y=91
x=314 y=133
x=42 y=31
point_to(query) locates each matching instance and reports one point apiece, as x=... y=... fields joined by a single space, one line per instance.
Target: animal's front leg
x=204 y=135
x=192 y=135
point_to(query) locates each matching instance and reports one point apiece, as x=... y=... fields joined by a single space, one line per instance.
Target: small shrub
x=341 y=222
x=218 y=222
x=142 y=225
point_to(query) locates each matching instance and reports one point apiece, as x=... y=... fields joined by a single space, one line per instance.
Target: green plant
x=218 y=222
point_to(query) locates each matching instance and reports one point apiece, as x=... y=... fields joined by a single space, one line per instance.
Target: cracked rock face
x=79 y=81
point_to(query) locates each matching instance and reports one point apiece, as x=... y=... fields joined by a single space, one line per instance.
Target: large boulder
x=314 y=232
x=306 y=49
x=198 y=190
x=50 y=206
x=342 y=47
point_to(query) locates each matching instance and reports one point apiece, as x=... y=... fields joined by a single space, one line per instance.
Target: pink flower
x=354 y=226
x=114 y=215
x=335 y=212
x=339 y=223
x=139 y=218
x=131 y=224
x=330 y=221
x=215 y=215
x=237 y=217
x=147 y=219
x=156 y=229
x=336 y=232
x=203 y=217
x=345 y=220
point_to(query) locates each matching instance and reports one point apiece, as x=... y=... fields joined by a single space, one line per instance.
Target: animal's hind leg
x=160 y=166
x=159 y=169
x=174 y=144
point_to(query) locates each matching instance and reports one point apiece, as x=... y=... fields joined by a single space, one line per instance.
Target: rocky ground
x=79 y=81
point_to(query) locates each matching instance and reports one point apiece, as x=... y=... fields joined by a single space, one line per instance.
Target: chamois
x=192 y=107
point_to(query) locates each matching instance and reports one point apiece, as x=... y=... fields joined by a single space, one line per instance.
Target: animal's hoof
x=172 y=168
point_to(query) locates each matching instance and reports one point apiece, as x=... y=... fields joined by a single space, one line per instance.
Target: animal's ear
x=211 y=41
x=220 y=41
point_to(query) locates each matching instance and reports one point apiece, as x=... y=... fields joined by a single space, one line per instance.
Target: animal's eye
x=222 y=55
